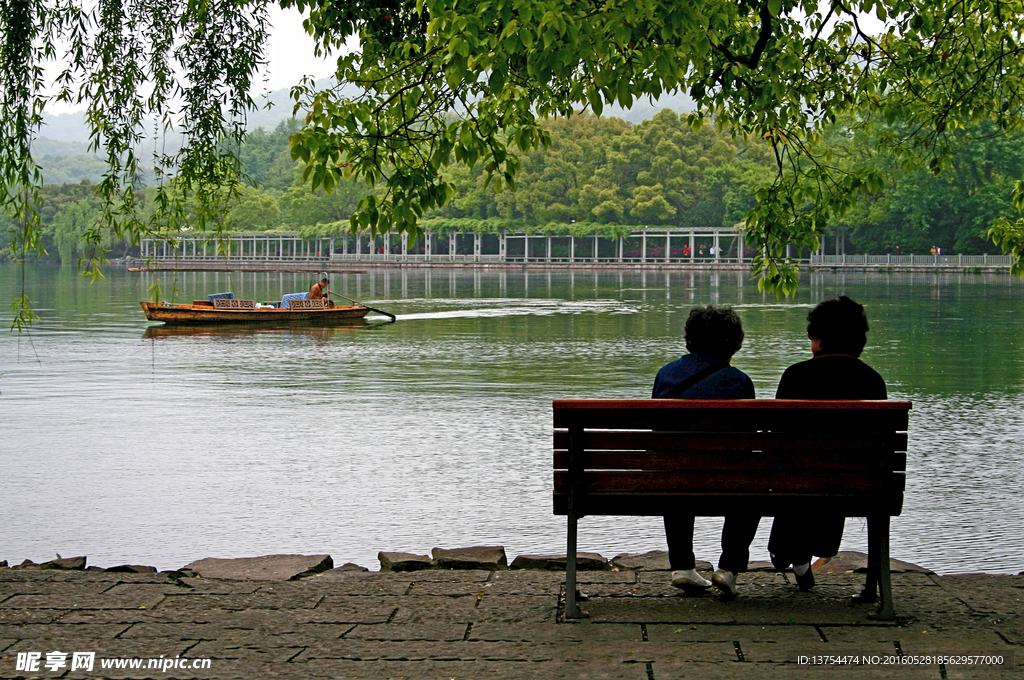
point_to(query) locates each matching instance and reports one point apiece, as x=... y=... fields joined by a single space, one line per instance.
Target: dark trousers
x=796 y=538
x=737 y=534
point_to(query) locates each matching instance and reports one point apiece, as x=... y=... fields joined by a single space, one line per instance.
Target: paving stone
x=789 y=652
x=547 y=583
x=400 y=561
x=264 y=568
x=584 y=562
x=281 y=633
x=83 y=601
x=354 y=609
x=661 y=589
x=516 y=608
x=437 y=609
x=260 y=651
x=452 y=632
x=354 y=587
x=983 y=593
x=22 y=616
x=799 y=634
x=444 y=670
x=573 y=632
x=6 y=642
x=119 y=648
x=260 y=600
x=65 y=630
x=490 y=558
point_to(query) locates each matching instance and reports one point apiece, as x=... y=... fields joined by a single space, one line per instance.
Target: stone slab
x=264 y=568
x=680 y=634
x=400 y=561
x=584 y=562
x=396 y=632
x=131 y=569
x=489 y=558
x=849 y=561
x=653 y=560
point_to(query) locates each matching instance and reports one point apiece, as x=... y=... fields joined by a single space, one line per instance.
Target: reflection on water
x=131 y=443
x=320 y=333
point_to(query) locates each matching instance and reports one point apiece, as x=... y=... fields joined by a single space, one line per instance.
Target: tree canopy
x=449 y=82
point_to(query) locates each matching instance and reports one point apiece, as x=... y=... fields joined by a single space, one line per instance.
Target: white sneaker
x=725 y=581
x=689 y=578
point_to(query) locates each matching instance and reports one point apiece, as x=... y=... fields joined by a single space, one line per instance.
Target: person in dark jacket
x=838 y=331
x=713 y=335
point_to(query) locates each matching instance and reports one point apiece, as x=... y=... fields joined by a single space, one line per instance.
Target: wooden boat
x=203 y=312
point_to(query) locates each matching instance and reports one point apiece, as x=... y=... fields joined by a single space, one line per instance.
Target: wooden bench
x=716 y=457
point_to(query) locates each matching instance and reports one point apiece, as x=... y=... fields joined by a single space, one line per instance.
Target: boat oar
x=372 y=309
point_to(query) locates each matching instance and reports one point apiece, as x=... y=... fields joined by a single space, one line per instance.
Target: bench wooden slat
x=737 y=460
x=739 y=415
x=760 y=481
x=718 y=505
x=626 y=440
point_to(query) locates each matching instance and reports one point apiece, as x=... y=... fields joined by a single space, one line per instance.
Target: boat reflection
x=315 y=333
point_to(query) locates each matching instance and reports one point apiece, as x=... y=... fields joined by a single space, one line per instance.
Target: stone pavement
x=506 y=624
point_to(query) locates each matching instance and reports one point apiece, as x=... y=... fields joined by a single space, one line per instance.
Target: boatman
x=319 y=290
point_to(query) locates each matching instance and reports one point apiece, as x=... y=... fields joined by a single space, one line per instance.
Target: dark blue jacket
x=728 y=383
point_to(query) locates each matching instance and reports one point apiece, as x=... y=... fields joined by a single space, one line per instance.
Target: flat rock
x=27 y=564
x=131 y=569
x=584 y=562
x=654 y=560
x=480 y=557
x=3 y=564
x=350 y=566
x=265 y=568
x=851 y=561
x=65 y=563
x=400 y=561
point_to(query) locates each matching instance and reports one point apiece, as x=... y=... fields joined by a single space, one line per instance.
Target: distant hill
x=62 y=147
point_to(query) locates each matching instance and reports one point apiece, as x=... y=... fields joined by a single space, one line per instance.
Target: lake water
x=435 y=431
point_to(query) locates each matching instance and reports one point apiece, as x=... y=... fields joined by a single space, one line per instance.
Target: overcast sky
x=289 y=56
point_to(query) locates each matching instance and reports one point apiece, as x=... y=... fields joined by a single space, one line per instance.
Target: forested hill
x=607 y=175
x=61 y=147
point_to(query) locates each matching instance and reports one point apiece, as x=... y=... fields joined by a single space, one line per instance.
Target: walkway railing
x=913 y=260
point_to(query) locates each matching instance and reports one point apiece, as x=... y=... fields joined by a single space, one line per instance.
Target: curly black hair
x=714 y=329
x=840 y=325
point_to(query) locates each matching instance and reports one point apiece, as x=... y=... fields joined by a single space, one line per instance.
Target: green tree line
x=606 y=176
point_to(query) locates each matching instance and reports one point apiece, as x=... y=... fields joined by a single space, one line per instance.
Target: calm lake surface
x=435 y=431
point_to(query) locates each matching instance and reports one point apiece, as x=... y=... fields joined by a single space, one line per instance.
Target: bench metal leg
x=572 y=610
x=870 y=592
x=880 y=527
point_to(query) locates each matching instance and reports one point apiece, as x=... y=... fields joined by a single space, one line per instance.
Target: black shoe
x=806 y=582
x=779 y=564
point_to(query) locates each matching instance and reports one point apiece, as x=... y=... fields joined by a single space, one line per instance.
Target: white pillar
x=547 y=253
x=643 y=246
x=718 y=247
x=476 y=247
x=595 y=247
x=502 y=249
x=668 y=246
x=452 y=240
x=405 y=244
x=572 y=248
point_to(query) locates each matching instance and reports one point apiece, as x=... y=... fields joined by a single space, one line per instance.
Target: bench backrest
x=712 y=457
x=231 y=303
x=316 y=303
